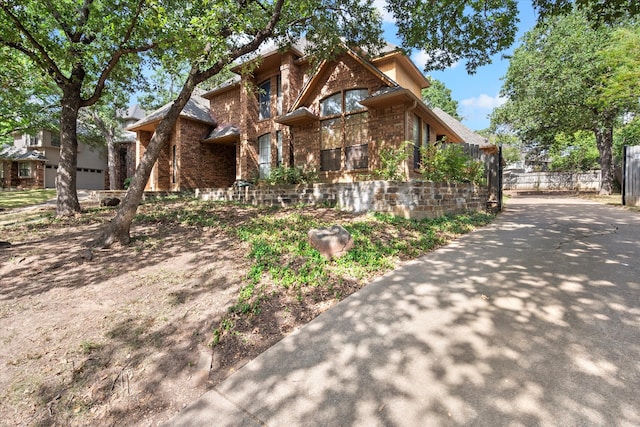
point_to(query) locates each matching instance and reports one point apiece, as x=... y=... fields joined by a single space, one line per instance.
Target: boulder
x=110 y=201
x=331 y=242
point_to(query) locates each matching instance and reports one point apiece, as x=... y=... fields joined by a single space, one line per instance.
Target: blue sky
x=477 y=94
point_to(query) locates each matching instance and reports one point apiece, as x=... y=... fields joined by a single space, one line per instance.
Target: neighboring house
x=33 y=159
x=334 y=118
x=21 y=168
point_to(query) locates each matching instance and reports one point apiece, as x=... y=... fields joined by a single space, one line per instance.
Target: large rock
x=331 y=242
x=110 y=201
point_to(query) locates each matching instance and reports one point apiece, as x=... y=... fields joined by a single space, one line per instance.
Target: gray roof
x=134 y=112
x=468 y=136
x=223 y=131
x=197 y=108
x=11 y=152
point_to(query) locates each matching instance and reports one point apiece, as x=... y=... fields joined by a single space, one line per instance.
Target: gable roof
x=197 y=109
x=317 y=73
x=467 y=135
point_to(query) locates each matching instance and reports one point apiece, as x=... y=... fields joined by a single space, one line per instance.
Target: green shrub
x=291 y=175
x=450 y=164
x=127 y=183
x=391 y=163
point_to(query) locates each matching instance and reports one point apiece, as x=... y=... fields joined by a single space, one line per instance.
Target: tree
x=554 y=85
x=164 y=84
x=474 y=30
x=78 y=46
x=575 y=152
x=621 y=81
x=101 y=124
x=26 y=104
x=438 y=95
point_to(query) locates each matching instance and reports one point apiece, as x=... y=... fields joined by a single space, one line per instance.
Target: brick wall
x=407 y=199
x=12 y=180
x=225 y=107
x=189 y=151
x=217 y=166
x=386 y=126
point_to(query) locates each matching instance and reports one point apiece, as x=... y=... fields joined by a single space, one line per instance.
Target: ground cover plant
x=113 y=337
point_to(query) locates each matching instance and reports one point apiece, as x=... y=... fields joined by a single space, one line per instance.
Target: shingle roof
x=11 y=152
x=197 y=108
x=461 y=130
x=224 y=131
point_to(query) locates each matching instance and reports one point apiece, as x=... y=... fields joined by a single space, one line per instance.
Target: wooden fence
x=493 y=165
x=631 y=176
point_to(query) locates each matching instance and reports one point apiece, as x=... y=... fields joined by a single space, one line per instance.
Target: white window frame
x=29 y=169
x=264 y=155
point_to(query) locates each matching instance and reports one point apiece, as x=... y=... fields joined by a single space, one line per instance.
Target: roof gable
x=326 y=68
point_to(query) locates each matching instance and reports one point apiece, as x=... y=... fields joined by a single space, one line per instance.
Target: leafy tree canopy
x=438 y=95
x=575 y=152
x=556 y=83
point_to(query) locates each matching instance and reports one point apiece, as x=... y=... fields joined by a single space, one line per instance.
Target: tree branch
x=109 y=68
x=249 y=47
x=127 y=34
x=42 y=58
x=56 y=15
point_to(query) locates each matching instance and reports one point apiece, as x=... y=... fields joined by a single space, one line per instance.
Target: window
x=33 y=140
x=174 y=165
x=344 y=128
x=55 y=140
x=279 y=94
x=420 y=139
x=24 y=169
x=264 y=155
x=279 y=142
x=264 y=100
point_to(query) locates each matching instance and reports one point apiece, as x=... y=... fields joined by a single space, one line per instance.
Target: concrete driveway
x=534 y=320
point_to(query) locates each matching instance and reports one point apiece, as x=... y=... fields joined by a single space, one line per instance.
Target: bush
x=127 y=183
x=391 y=163
x=295 y=175
x=451 y=164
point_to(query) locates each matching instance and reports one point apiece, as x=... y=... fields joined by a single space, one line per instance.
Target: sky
x=477 y=94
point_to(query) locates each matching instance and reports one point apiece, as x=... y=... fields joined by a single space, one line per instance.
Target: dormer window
x=33 y=140
x=343 y=129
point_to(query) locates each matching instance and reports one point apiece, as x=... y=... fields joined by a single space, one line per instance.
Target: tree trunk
x=604 y=140
x=112 y=155
x=67 y=195
x=117 y=231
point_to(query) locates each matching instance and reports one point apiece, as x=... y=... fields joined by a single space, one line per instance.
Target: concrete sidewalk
x=533 y=320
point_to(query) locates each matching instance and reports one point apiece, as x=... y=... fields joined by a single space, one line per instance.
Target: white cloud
x=381 y=5
x=421 y=57
x=483 y=102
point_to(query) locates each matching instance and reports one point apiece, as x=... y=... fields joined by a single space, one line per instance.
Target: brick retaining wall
x=407 y=199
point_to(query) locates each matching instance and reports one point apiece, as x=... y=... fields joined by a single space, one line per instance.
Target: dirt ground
x=122 y=336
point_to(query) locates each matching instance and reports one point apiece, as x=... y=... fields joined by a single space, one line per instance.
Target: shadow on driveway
x=533 y=320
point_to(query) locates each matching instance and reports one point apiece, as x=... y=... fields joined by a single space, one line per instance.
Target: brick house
x=333 y=118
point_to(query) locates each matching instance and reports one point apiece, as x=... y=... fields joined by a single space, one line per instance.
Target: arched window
x=343 y=128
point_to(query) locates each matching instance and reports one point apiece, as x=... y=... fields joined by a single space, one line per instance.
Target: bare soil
x=122 y=336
